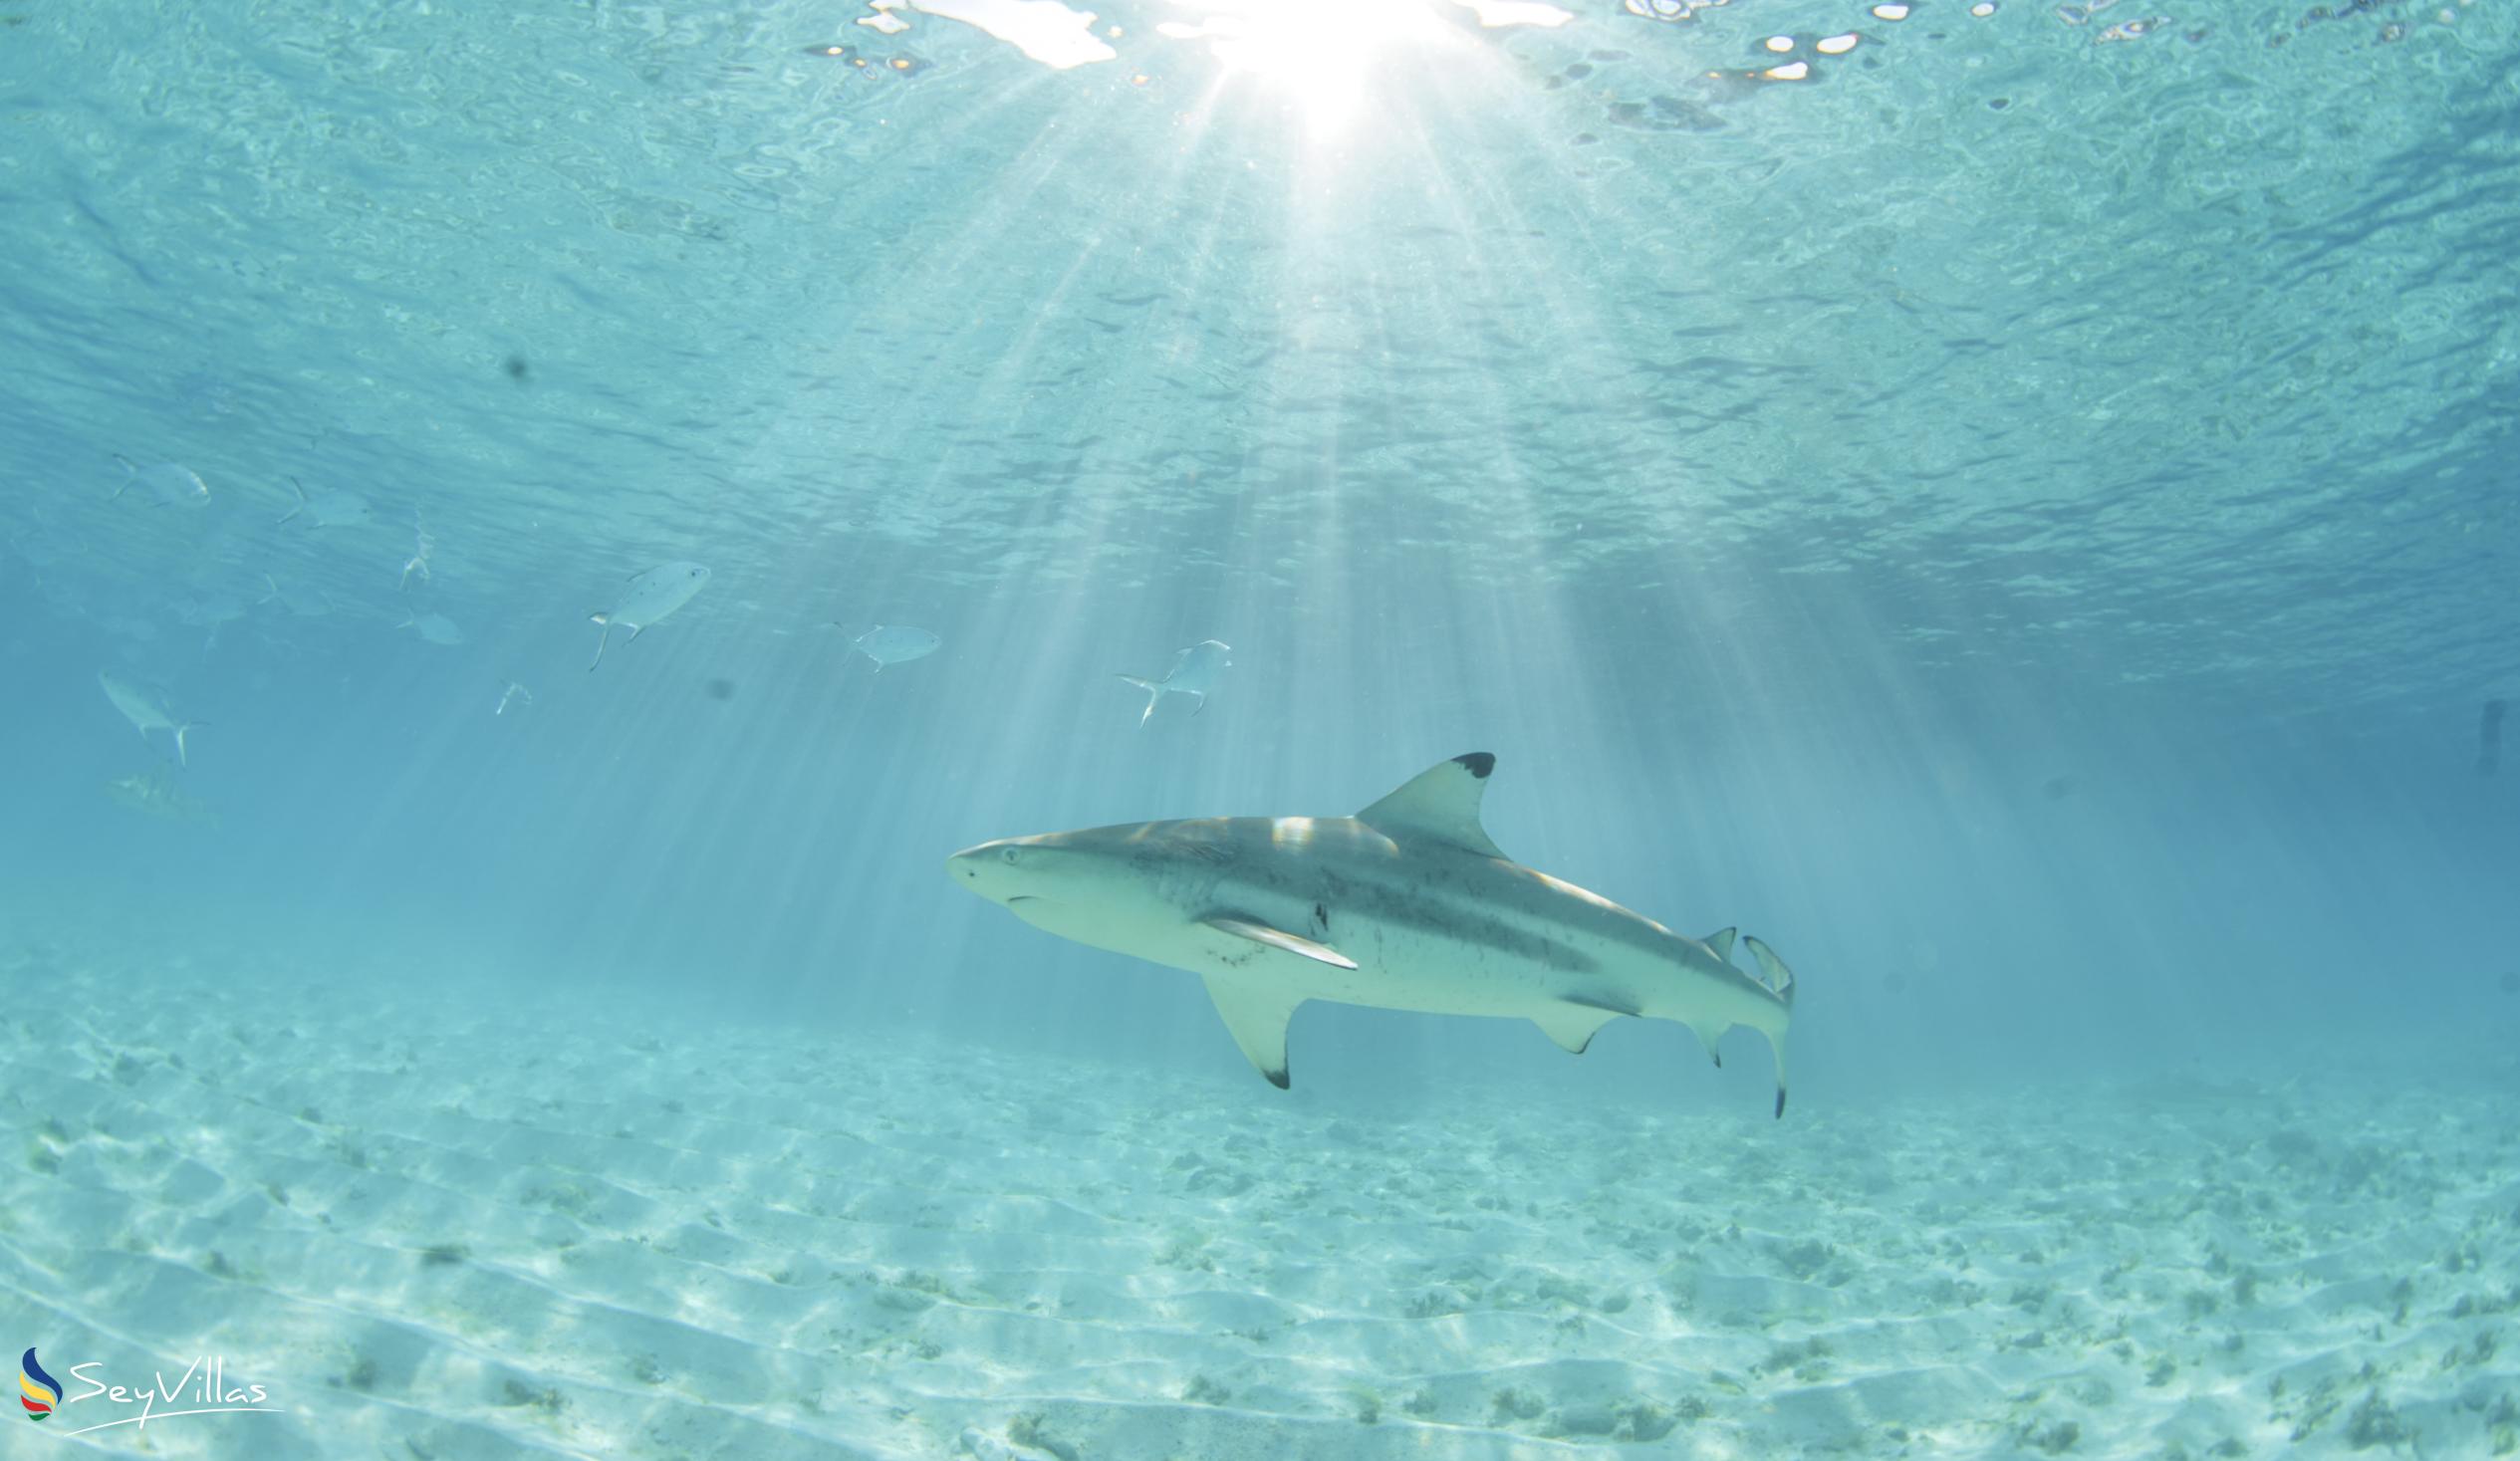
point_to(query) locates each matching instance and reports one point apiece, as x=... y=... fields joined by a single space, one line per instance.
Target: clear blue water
x=2021 y=517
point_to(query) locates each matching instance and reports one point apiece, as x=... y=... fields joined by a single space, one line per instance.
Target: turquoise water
x=2013 y=509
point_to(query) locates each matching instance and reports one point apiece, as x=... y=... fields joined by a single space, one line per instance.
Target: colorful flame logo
x=36 y=1392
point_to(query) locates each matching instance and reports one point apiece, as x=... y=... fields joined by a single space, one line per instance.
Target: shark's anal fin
x=1721 y=942
x=1573 y=1024
x=1279 y=938
x=1441 y=805
x=1256 y=1015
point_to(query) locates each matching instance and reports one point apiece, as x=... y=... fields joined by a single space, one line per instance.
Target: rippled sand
x=470 y=1229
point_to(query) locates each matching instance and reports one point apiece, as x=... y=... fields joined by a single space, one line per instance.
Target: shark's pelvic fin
x=1573 y=1025
x=1441 y=804
x=1278 y=938
x=1711 y=1036
x=1256 y=1016
x=1721 y=942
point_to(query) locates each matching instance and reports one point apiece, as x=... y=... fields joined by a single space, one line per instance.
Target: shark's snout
x=965 y=867
x=1007 y=871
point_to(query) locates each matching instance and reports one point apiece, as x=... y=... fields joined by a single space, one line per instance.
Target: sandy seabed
x=437 y=1228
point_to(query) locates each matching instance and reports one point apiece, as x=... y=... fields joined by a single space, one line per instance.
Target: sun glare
x=1325 y=55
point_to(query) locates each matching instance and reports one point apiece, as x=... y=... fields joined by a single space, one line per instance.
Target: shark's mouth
x=1022 y=898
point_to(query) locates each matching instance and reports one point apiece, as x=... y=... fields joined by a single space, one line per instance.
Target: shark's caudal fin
x=1256 y=1016
x=1771 y=970
x=1155 y=692
x=1440 y=804
x=1780 y=982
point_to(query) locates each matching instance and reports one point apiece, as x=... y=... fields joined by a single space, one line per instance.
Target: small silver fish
x=168 y=482
x=651 y=597
x=329 y=509
x=298 y=598
x=436 y=629
x=1193 y=673
x=155 y=794
x=147 y=711
x=417 y=563
x=896 y=644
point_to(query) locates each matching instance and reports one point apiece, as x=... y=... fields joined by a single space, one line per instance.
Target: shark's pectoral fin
x=1573 y=1024
x=1256 y=1016
x=1279 y=938
x=1721 y=942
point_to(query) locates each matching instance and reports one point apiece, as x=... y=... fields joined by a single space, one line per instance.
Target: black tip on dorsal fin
x=1438 y=806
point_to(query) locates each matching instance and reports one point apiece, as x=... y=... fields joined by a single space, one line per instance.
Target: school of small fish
x=337 y=515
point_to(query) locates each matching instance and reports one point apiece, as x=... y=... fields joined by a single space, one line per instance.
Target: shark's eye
x=1008 y=854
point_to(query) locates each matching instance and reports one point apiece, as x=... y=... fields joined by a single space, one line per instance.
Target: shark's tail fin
x=1771 y=970
x=1780 y=982
x=1155 y=692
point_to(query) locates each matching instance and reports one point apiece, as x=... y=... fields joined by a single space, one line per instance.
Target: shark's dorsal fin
x=1440 y=804
x=1721 y=942
x=1256 y=1016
